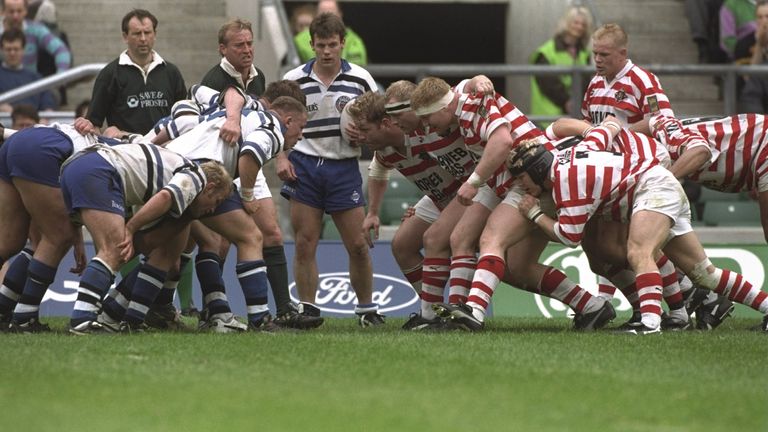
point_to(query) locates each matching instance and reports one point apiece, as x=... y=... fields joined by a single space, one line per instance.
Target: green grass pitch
x=521 y=374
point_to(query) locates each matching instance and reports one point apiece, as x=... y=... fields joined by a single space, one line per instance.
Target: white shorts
x=260 y=188
x=426 y=210
x=487 y=197
x=659 y=191
x=516 y=192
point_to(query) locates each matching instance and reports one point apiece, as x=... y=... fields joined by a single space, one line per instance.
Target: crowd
x=155 y=172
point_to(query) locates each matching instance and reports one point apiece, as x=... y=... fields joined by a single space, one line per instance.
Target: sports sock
x=118 y=298
x=414 y=276
x=490 y=270
x=605 y=288
x=39 y=277
x=13 y=284
x=460 y=279
x=252 y=276
x=277 y=274
x=95 y=282
x=148 y=285
x=555 y=284
x=649 y=292
x=736 y=288
x=208 y=268
x=435 y=274
x=671 y=292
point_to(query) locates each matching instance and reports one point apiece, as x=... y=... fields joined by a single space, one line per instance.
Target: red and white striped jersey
x=739 y=154
x=422 y=170
x=633 y=94
x=480 y=115
x=588 y=182
x=449 y=151
x=629 y=142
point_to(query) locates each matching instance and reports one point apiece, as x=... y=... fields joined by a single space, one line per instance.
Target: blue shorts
x=232 y=203
x=328 y=184
x=90 y=182
x=35 y=154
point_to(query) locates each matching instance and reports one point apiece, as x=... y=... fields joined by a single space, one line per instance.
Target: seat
x=732 y=213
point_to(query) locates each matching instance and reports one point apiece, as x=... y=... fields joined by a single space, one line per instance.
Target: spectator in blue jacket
x=13 y=74
x=39 y=37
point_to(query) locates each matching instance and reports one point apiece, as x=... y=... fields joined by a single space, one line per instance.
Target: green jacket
x=354 y=48
x=550 y=93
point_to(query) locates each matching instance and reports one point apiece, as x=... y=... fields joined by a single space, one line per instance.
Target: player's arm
x=378 y=177
x=233 y=104
x=154 y=209
x=692 y=160
x=529 y=207
x=248 y=167
x=495 y=153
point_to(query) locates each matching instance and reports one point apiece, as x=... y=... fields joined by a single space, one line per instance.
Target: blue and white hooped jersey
x=322 y=134
x=146 y=169
x=261 y=136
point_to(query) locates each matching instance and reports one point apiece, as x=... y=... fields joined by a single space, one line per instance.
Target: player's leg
x=107 y=230
x=240 y=229
x=688 y=254
x=57 y=235
x=15 y=222
x=437 y=258
x=345 y=202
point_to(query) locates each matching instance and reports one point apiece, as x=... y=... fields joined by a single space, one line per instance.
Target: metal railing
x=416 y=72
x=580 y=75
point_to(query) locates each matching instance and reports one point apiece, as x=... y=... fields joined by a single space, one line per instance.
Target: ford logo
x=335 y=293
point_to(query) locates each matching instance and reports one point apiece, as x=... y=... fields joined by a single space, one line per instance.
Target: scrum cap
x=532 y=158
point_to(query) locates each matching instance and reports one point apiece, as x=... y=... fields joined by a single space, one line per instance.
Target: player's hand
x=410 y=211
x=527 y=202
x=466 y=193
x=125 y=247
x=284 y=169
x=371 y=223
x=355 y=137
x=251 y=207
x=84 y=126
x=78 y=253
x=230 y=131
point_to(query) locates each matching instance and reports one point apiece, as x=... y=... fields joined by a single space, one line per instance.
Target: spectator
x=13 y=74
x=236 y=67
x=82 y=108
x=138 y=88
x=704 y=22
x=45 y=12
x=353 y=50
x=551 y=94
x=753 y=97
x=737 y=27
x=760 y=37
x=24 y=116
x=38 y=36
x=301 y=17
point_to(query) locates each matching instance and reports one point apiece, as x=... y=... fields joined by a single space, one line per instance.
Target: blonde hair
x=234 y=25
x=400 y=91
x=571 y=14
x=368 y=107
x=216 y=173
x=429 y=91
x=613 y=31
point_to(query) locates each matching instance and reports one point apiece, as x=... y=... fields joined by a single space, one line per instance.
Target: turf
x=520 y=374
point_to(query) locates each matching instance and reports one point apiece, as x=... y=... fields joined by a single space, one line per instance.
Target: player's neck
x=327 y=73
